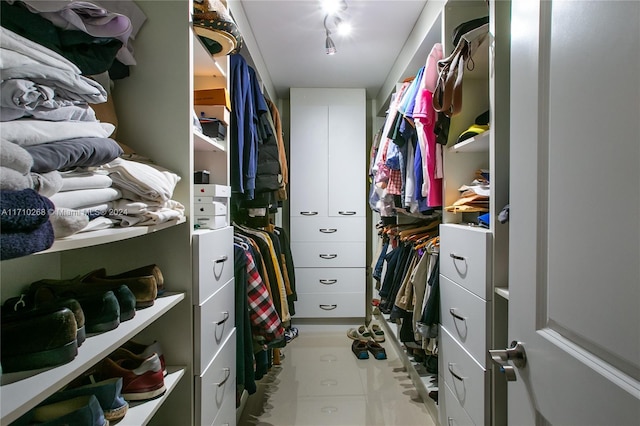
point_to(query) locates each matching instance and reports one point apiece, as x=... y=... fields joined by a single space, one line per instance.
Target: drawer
x=226 y=416
x=328 y=255
x=328 y=229
x=213 y=258
x=465 y=257
x=468 y=381
x=214 y=320
x=451 y=412
x=216 y=388
x=465 y=316
x=330 y=280
x=330 y=305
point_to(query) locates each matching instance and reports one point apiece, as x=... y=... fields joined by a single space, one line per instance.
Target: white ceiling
x=288 y=37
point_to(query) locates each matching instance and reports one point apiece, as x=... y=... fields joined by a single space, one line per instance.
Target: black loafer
x=359 y=349
x=376 y=350
x=37 y=338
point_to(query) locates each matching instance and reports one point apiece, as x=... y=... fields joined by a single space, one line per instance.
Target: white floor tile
x=320 y=382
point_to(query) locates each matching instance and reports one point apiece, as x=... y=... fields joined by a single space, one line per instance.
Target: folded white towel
x=74 y=182
x=148 y=182
x=85 y=197
x=33 y=132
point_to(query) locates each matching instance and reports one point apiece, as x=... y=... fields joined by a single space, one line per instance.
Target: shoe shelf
x=103 y=236
x=140 y=413
x=22 y=391
x=478 y=143
x=422 y=380
x=202 y=142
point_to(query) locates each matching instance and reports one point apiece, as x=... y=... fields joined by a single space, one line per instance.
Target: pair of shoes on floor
x=145 y=283
x=364 y=333
x=361 y=349
x=290 y=334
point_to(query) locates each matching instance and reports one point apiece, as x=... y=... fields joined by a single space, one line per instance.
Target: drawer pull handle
x=452 y=311
x=223 y=320
x=222 y=259
x=328 y=307
x=308 y=213
x=328 y=256
x=227 y=374
x=456 y=257
x=454 y=374
x=328 y=282
x=449 y=421
x=328 y=230
x=347 y=213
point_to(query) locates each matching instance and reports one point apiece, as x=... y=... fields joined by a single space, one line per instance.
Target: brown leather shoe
x=144 y=287
x=144 y=271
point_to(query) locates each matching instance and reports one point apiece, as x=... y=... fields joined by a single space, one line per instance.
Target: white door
x=574 y=271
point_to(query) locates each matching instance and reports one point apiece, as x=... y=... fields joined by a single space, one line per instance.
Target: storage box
x=213 y=128
x=212 y=190
x=219 y=112
x=215 y=208
x=212 y=97
x=201 y=176
x=210 y=222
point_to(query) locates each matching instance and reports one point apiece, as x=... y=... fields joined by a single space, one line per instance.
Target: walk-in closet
x=319 y=212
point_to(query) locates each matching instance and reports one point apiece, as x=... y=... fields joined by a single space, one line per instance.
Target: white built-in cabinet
x=327 y=201
x=473 y=260
x=194 y=320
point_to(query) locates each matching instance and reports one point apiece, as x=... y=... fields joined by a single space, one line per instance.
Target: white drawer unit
x=214 y=208
x=330 y=280
x=213 y=257
x=465 y=377
x=329 y=255
x=211 y=190
x=216 y=387
x=451 y=412
x=330 y=305
x=328 y=229
x=213 y=322
x=465 y=254
x=465 y=316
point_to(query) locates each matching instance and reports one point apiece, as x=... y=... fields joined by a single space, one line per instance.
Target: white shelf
x=203 y=63
x=140 y=413
x=478 y=143
x=25 y=390
x=502 y=291
x=202 y=142
x=103 y=236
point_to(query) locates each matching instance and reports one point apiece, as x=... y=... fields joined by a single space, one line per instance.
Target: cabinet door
x=309 y=160
x=347 y=178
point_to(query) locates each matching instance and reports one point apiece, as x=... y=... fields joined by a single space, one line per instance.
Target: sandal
x=377 y=350
x=359 y=349
x=376 y=332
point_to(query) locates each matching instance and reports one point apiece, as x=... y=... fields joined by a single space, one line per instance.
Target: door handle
x=504 y=359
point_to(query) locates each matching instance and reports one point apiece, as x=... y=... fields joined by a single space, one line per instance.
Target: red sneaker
x=142 y=376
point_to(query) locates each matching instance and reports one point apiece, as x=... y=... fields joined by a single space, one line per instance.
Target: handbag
x=447 y=97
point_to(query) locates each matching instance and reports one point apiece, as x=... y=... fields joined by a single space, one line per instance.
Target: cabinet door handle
x=450 y=421
x=328 y=307
x=328 y=230
x=456 y=257
x=347 y=213
x=328 y=256
x=452 y=311
x=227 y=374
x=328 y=282
x=221 y=259
x=223 y=320
x=454 y=374
x=308 y=213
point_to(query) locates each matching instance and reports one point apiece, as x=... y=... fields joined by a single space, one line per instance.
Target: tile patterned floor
x=320 y=383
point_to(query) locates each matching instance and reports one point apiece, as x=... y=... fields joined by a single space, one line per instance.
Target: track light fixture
x=332 y=9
